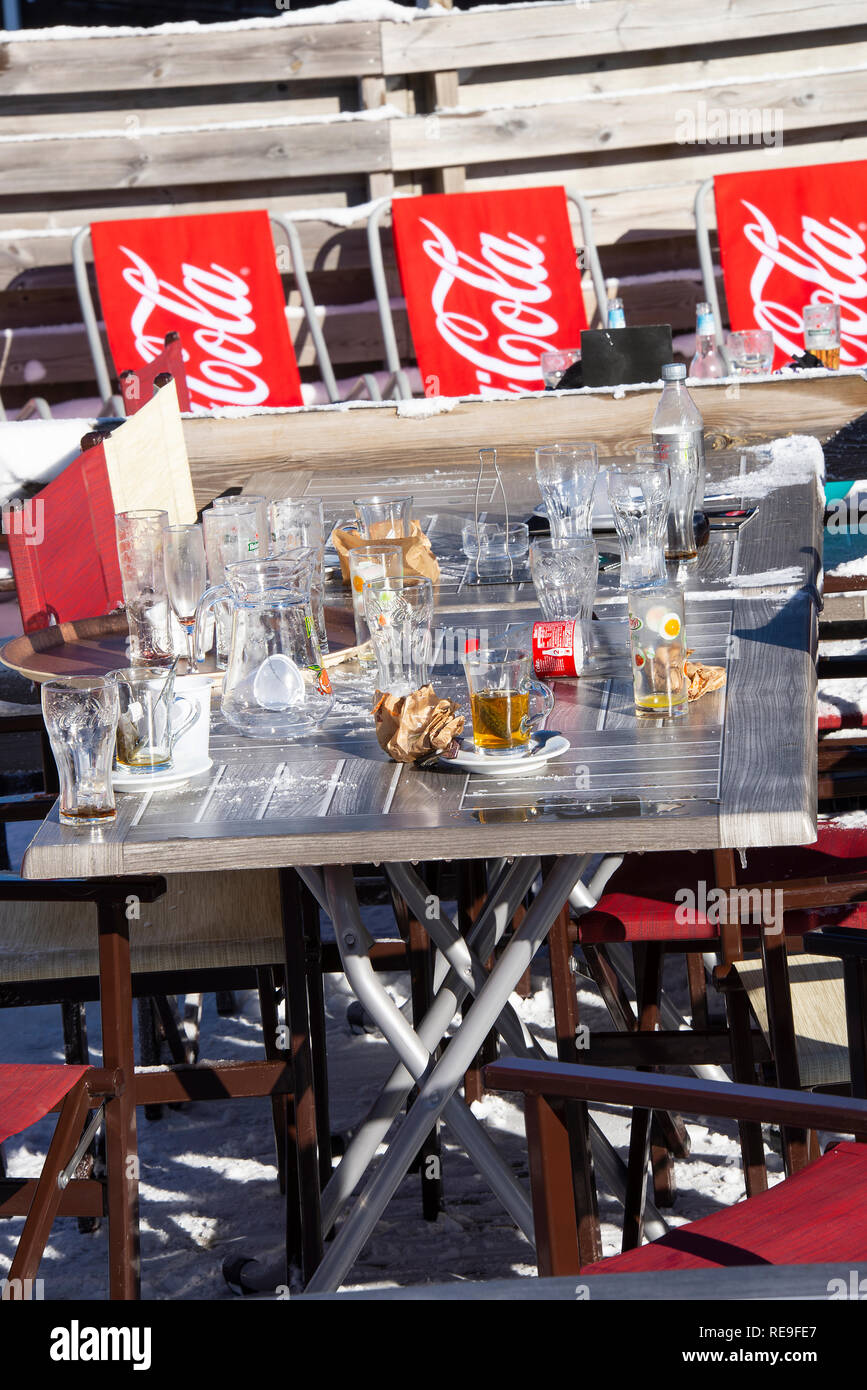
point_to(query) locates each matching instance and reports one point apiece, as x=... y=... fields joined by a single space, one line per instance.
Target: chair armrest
x=566 y=1081
x=26 y=806
x=840 y=667
x=86 y=890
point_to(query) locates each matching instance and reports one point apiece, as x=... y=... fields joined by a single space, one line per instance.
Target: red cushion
x=817 y=1216
x=640 y=902
x=28 y=1092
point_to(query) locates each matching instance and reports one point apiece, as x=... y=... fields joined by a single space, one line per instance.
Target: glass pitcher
x=275 y=684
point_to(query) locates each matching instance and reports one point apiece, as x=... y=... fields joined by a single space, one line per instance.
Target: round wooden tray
x=93 y=646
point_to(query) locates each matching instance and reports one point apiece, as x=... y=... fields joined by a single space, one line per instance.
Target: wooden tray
x=93 y=646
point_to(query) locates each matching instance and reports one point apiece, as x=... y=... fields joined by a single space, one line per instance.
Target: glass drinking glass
x=683 y=467
x=140 y=553
x=658 y=649
x=554 y=364
x=151 y=718
x=383 y=518
x=376 y=561
x=565 y=571
x=822 y=333
x=566 y=474
x=81 y=715
x=231 y=534
x=249 y=499
x=502 y=686
x=300 y=521
x=751 y=352
x=399 y=613
x=639 y=494
x=186 y=577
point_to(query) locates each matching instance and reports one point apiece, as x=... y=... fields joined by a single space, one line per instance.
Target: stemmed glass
x=566 y=474
x=186 y=577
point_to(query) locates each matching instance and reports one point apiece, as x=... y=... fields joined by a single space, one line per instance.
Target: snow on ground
x=209 y=1185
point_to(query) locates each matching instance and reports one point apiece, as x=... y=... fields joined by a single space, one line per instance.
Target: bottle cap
x=674 y=371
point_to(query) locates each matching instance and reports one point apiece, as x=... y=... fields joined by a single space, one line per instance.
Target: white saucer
x=148 y=781
x=512 y=764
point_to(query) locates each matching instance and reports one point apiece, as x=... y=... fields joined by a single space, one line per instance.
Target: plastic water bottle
x=708 y=361
x=678 y=425
x=616 y=316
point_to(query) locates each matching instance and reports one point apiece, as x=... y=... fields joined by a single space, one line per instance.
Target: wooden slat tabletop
x=738 y=770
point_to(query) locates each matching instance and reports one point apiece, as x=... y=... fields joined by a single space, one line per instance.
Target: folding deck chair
x=531 y=224
x=211 y=236
x=789 y=236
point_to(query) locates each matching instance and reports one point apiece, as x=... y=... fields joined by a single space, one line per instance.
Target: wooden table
x=738 y=770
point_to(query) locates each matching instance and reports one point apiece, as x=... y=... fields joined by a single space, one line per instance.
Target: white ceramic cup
x=191 y=749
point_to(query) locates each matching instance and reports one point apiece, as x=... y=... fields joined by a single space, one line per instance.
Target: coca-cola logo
x=510 y=272
x=216 y=300
x=830 y=266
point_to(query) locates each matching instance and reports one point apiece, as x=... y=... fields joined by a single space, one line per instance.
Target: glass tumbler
x=566 y=474
x=300 y=521
x=639 y=493
x=565 y=571
x=657 y=642
x=383 y=518
x=231 y=534
x=81 y=714
x=375 y=561
x=140 y=554
x=399 y=613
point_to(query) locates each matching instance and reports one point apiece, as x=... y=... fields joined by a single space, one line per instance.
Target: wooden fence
x=620 y=99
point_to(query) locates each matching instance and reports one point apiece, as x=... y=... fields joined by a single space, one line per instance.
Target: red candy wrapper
x=557 y=648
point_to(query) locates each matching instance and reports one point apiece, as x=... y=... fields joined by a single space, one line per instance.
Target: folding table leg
x=120 y=1118
x=439 y=1086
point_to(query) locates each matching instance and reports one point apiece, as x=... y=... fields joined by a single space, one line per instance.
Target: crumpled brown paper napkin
x=702 y=679
x=417 y=728
x=418 y=557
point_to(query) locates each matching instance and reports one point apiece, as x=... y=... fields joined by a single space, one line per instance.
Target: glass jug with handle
x=275 y=684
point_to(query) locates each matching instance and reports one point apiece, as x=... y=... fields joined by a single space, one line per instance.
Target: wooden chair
x=27 y=1094
x=642 y=908
x=818 y=1215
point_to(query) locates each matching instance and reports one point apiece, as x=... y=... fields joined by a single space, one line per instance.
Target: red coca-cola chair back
x=137 y=386
x=212 y=277
x=789 y=237
x=63 y=549
x=491 y=282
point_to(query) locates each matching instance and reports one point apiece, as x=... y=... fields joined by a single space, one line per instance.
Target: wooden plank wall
x=606 y=96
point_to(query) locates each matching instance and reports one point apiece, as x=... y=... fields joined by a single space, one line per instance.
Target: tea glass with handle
x=502 y=689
